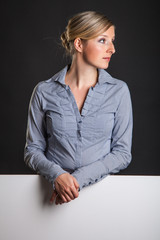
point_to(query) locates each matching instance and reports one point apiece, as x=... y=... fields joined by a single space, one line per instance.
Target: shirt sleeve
x=120 y=153
x=34 y=152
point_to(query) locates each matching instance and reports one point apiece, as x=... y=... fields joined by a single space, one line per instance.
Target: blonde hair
x=84 y=25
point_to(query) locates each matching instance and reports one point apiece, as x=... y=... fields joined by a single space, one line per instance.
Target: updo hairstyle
x=84 y=25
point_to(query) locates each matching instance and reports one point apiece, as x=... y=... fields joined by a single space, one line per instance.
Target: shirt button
x=80 y=121
x=79 y=133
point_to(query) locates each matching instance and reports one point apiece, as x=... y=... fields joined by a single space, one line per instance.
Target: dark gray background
x=31 y=52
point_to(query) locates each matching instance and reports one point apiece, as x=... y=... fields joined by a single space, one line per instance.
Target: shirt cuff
x=77 y=177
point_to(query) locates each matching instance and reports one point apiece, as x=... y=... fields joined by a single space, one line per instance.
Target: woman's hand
x=57 y=197
x=66 y=189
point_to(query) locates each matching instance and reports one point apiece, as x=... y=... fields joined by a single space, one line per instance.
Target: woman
x=80 y=121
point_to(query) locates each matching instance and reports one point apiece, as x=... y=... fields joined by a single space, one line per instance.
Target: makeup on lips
x=107 y=58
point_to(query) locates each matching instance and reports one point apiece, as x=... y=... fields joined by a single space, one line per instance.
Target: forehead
x=109 y=32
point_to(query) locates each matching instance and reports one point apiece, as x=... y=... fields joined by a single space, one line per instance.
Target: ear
x=78 y=44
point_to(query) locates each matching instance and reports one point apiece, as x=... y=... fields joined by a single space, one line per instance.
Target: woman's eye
x=102 y=40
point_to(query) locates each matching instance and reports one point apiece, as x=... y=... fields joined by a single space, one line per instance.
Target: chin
x=103 y=66
x=100 y=65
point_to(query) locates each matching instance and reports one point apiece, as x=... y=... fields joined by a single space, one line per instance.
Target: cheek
x=92 y=52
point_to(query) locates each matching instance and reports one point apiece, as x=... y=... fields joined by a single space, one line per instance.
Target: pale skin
x=88 y=57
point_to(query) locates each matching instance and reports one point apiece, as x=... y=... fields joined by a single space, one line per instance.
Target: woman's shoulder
x=117 y=83
x=106 y=77
x=49 y=85
x=121 y=84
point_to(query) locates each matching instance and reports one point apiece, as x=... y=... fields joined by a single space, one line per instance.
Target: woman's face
x=98 y=51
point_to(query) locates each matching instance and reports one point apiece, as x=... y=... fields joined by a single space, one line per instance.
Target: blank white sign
x=116 y=208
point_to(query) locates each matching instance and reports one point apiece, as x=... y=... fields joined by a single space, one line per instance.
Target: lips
x=107 y=58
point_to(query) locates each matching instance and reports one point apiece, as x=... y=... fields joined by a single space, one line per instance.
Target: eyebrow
x=105 y=35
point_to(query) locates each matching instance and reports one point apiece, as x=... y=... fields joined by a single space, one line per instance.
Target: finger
x=64 y=197
x=53 y=197
x=76 y=183
x=54 y=194
x=69 y=194
x=77 y=187
x=75 y=192
x=58 y=200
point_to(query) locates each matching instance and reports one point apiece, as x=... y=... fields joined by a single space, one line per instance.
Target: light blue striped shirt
x=89 y=145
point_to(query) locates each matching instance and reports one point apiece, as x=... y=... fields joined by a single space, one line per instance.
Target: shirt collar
x=104 y=77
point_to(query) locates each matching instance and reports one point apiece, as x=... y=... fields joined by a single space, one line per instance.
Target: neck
x=81 y=74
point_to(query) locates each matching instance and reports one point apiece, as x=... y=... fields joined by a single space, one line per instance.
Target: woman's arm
x=120 y=154
x=36 y=136
x=34 y=155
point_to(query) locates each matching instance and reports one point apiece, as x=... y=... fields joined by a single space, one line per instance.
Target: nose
x=111 y=48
